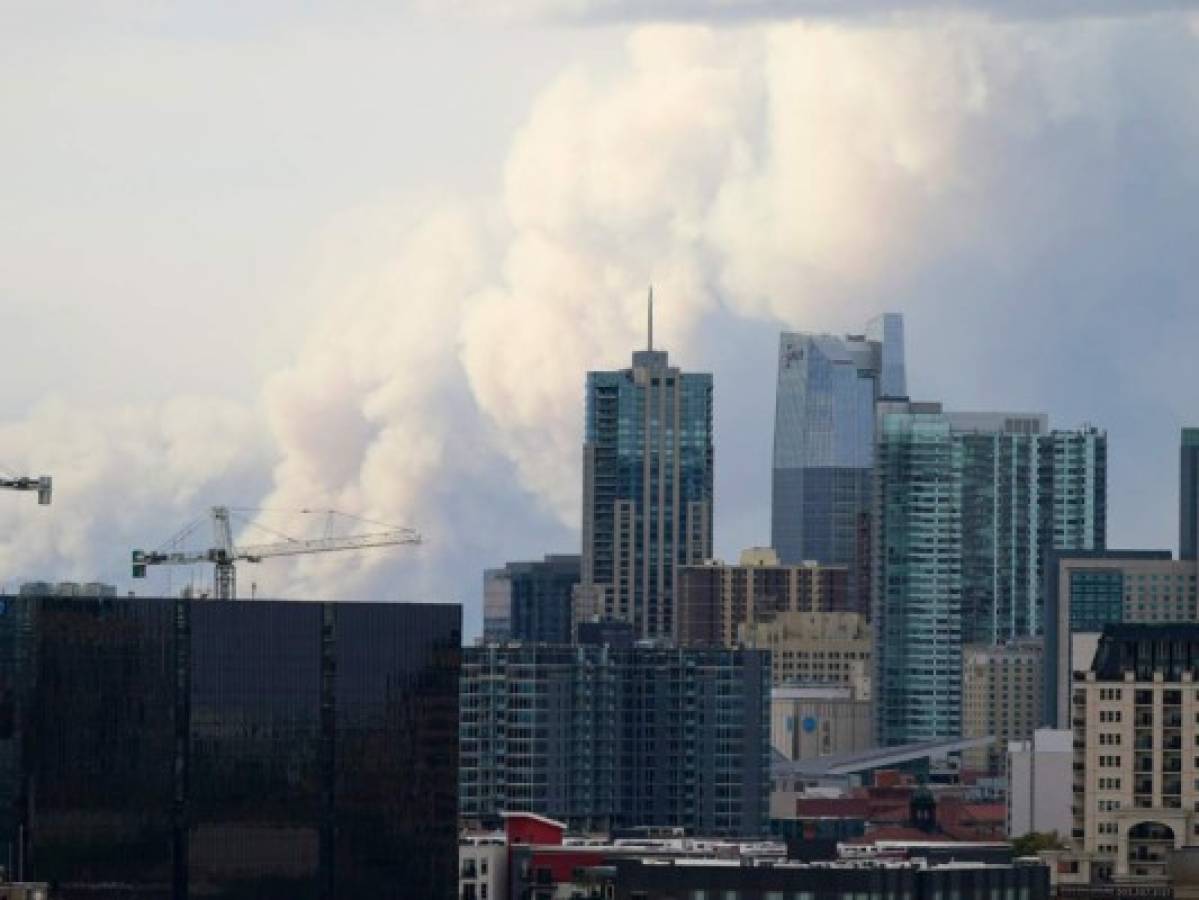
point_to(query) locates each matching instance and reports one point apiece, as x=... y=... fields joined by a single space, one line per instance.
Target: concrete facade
x=1135 y=726
x=815 y=648
x=1040 y=783
x=819 y=720
x=1001 y=697
x=715 y=599
x=1086 y=591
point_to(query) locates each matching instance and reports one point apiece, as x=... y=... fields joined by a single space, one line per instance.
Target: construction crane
x=224 y=553
x=43 y=484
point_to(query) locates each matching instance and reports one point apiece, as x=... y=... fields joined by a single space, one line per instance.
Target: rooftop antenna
x=651 y=317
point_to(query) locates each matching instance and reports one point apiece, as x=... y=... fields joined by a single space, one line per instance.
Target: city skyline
x=293 y=295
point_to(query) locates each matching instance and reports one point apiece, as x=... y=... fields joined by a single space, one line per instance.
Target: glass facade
x=232 y=750
x=604 y=738
x=1188 y=496
x=968 y=508
x=648 y=486
x=824 y=442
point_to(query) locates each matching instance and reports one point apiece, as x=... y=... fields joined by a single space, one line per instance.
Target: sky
x=360 y=256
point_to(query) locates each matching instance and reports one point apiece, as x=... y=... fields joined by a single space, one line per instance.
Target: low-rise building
x=808 y=721
x=1040 y=779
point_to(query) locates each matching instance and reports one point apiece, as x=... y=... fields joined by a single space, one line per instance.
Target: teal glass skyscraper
x=828 y=386
x=1188 y=496
x=647 y=489
x=967 y=507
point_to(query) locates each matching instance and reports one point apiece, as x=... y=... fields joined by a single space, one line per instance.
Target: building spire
x=651 y=317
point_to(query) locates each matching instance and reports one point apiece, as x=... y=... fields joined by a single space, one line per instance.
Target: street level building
x=967 y=507
x=715 y=599
x=647 y=490
x=1040 y=778
x=602 y=737
x=824 y=424
x=1001 y=697
x=176 y=748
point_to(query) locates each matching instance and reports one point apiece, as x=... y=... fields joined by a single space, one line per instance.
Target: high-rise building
x=1135 y=719
x=1001 y=697
x=602 y=737
x=530 y=601
x=967 y=505
x=715 y=598
x=815 y=720
x=647 y=489
x=1188 y=496
x=1087 y=590
x=174 y=748
x=824 y=423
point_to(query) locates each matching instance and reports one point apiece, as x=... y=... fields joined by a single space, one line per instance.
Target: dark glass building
x=186 y=748
x=606 y=737
x=1188 y=500
x=531 y=601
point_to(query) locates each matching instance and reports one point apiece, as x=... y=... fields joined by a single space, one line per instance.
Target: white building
x=1040 y=783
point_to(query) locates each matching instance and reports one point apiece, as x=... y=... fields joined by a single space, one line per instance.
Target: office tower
x=1040 y=774
x=602 y=737
x=1135 y=719
x=715 y=599
x=814 y=648
x=967 y=506
x=1188 y=499
x=1001 y=697
x=824 y=443
x=530 y=601
x=279 y=749
x=647 y=489
x=1086 y=590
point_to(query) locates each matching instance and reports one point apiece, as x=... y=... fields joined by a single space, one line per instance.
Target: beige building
x=715 y=599
x=1001 y=697
x=1135 y=723
x=807 y=721
x=814 y=648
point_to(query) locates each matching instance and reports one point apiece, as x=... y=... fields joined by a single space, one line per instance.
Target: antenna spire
x=651 y=317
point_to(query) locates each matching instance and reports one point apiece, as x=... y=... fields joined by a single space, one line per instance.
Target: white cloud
x=980 y=176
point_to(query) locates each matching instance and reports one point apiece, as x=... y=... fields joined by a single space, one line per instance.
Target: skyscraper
x=605 y=737
x=967 y=505
x=647 y=489
x=1188 y=500
x=824 y=442
x=530 y=601
x=182 y=748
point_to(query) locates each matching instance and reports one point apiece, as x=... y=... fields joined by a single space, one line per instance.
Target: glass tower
x=647 y=490
x=967 y=507
x=175 y=748
x=824 y=442
x=1188 y=504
